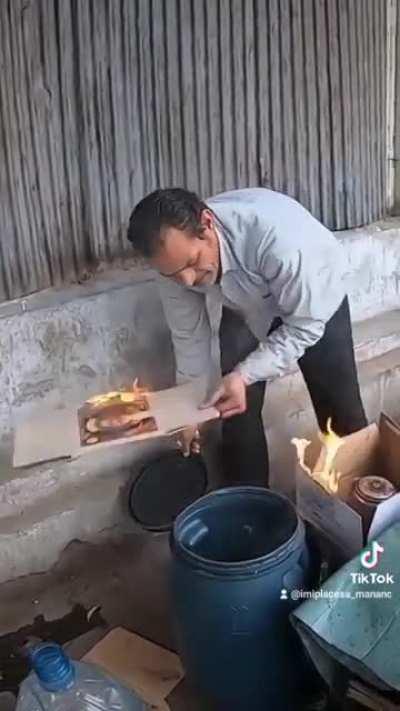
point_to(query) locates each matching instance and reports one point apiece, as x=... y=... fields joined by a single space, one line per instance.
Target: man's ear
x=207 y=219
x=207 y=222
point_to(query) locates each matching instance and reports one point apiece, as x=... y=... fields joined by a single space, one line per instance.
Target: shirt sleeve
x=307 y=289
x=187 y=317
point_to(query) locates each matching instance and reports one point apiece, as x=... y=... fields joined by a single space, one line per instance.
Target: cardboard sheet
x=152 y=671
x=47 y=436
x=54 y=434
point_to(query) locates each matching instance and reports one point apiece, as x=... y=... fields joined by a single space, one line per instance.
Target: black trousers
x=330 y=373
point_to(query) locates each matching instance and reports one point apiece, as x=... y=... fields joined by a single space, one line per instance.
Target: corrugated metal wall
x=103 y=100
x=396 y=137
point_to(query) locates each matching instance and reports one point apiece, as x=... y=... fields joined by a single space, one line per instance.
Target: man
x=278 y=273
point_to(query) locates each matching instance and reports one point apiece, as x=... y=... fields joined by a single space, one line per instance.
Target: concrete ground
x=125 y=576
x=122 y=581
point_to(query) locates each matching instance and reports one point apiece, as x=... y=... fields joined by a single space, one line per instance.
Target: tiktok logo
x=371 y=558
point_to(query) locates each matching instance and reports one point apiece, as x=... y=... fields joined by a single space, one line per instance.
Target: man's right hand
x=189 y=441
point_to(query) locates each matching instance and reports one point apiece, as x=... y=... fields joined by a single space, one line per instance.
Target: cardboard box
x=51 y=434
x=150 y=670
x=374 y=450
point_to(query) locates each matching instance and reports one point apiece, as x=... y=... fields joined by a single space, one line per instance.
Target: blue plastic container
x=57 y=683
x=235 y=553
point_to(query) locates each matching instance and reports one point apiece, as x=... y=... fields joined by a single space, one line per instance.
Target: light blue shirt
x=276 y=260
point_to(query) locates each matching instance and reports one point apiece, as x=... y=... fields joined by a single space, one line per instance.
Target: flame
x=327 y=477
x=301 y=446
x=332 y=442
x=125 y=396
x=138 y=389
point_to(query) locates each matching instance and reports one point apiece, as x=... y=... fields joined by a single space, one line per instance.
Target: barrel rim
x=245 y=567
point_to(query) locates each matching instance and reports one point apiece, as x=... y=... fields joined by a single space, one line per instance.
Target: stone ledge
x=103 y=281
x=131 y=274
x=373 y=268
x=376 y=336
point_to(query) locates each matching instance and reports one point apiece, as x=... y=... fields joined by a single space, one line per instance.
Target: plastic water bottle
x=59 y=684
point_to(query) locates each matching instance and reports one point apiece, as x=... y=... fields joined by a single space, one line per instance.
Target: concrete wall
x=394 y=147
x=373 y=268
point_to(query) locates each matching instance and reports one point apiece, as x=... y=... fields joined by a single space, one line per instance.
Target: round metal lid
x=166 y=486
x=374 y=489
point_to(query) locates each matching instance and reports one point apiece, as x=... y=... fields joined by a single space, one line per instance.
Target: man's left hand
x=230 y=396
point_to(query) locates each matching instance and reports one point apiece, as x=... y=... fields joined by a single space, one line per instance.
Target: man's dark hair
x=172 y=207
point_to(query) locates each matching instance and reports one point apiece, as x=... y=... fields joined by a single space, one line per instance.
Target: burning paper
x=50 y=434
x=115 y=414
x=324 y=472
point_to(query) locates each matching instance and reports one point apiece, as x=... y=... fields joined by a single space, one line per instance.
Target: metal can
x=368 y=492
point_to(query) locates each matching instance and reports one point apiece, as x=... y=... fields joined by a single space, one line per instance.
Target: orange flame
x=125 y=396
x=327 y=476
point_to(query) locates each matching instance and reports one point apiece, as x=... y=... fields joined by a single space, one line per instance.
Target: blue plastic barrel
x=236 y=553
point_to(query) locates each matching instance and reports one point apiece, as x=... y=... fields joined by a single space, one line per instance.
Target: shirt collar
x=228 y=261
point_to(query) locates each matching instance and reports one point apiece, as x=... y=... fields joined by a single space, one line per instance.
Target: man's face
x=188 y=259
